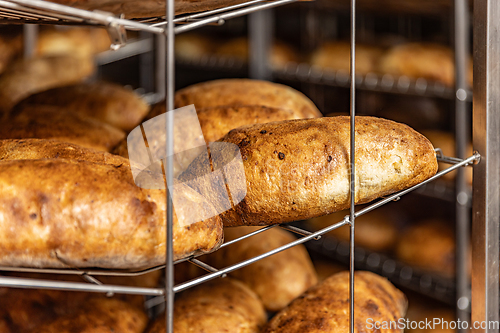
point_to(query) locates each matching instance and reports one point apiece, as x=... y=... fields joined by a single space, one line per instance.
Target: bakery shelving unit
x=485 y=242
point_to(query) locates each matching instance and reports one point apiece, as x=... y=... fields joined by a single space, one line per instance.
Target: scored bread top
x=299 y=169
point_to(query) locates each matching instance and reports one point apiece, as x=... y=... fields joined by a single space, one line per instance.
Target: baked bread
x=108 y=102
x=298 y=169
x=99 y=315
x=376 y=231
x=215 y=122
x=60 y=209
x=222 y=305
x=48 y=122
x=30 y=76
x=280 y=53
x=192 y=46
x=325 y=307
x=429 y=245
x=446 y=142
x=246 y=92
x=10 y=47
x=426 y=60
x=277 y=280
x=76 y=42
x=336 y=56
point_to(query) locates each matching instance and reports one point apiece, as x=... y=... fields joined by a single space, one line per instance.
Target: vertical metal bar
x=160 y=68
x=260 y=32
x=461 y=34
x=352 y=181
x=146 y=70
x=486 y=191
x=169 y=93
x=30 y=37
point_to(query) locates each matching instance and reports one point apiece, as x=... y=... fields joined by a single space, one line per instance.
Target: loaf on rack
x=215 y=122
x=325 y=307
x=279 y=55
x=30 y=76
x=67 y=206
x=76 y=42
x=107 y=102
x=299 y=169
x=376 y=231
x=246 y=92
x=192 y=46
x=222 y=305
x=49 y=122
x=277 y=279
x=422 y=60
x=336 y=56
x=429 y=245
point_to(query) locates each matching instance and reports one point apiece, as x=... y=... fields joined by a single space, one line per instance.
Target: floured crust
x=222 y=305
x=325 y=307
x=246 y=92
x=299 y=169
x=75 y=207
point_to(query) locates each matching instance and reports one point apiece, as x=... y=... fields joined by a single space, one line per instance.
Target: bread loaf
x=70 y=206
x=246 y=92
x=49 y=122
x=325 y=307
x=426 y=60
x=222 y=305
x=10 y=47
x=76 y=42
x=107 y=102
x=299 y=169
x=30 y=76
x=336 y=56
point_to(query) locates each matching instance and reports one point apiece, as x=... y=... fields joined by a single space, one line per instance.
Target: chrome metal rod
x=208 y=277
x=30 y=37
x=260 y=35
x=486 y=189
x=170 y=144
x=296 y=230
x=248 y=235
x=203 y=265
x=461 y=31
x=230 y=15
x=352 y=181
x=131 y=49
x=15 y=282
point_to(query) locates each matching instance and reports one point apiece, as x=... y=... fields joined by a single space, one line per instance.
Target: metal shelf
x=93 y=284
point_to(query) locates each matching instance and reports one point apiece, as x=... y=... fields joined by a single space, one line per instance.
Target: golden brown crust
x=27 y=77
x=223 y=305
x=426 y=60
x=376 y=231
x=336 y=55
x=49 y=122
x=79 y=42
x=10 y=47
x=246 y=92
x=107 y=102
x=298 y=169
x=429 y=245
x=64 y=212
x=99 y=316
x=324 y=307
x=192 y=46
x=278 y=279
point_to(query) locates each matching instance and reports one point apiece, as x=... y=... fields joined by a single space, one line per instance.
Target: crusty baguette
x=215 y=122
x=99 y=315
x=107 y=102
x=325 y=307
x=49 y=122
x=223 y=305
x=246 y=92
x=426 y=60
x=299 y=169
x=64 y=207
x=30 y=76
